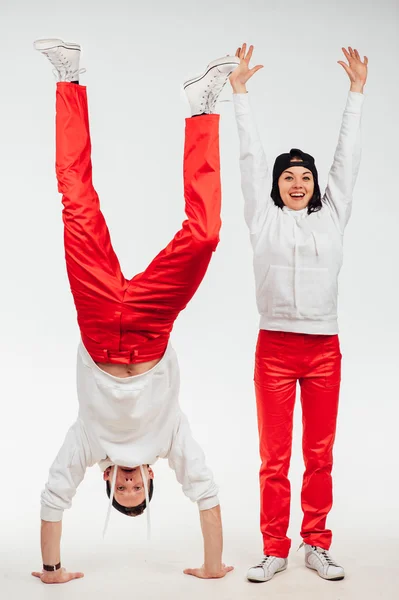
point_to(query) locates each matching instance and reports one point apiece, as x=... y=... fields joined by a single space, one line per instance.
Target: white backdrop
x=137 y=55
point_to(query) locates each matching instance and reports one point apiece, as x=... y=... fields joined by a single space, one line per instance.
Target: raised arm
x=66 y=473
x=253 y=166
x=188 y=461
x=343 y=173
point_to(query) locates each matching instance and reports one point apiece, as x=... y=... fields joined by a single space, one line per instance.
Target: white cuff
x=51 y=514
x=207 y=503
x=241 y=103
x=355 y=102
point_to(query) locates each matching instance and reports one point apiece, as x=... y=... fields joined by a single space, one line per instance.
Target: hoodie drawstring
x=296 y=274
x=111 y=499
x=147 y=502
x=302 y=224
x=315 y=243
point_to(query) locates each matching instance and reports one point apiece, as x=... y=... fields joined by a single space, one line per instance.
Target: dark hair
x=315 y=202
x=131 y=511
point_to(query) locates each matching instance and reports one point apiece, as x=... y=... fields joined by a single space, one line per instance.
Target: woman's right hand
x=242 y=73
x=60 y=576
x=204 y=573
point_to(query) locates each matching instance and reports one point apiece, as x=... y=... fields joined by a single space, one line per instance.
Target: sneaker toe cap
x=335 y=572
x=256 y=573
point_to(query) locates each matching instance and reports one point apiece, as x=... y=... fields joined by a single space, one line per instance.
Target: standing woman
x=297 y=239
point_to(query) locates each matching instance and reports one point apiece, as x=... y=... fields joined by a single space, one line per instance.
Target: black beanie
x=285 y=161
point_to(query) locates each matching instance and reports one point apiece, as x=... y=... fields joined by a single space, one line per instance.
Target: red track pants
x=126 y=321
x=282 y=359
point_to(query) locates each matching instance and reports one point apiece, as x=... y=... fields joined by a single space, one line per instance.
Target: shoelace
x=62 y=66
x=215 y=90
x=325 y=556
x=265 y=561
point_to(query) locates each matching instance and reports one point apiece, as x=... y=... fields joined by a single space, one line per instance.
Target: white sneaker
x=321 y=561
x=269 y=566
x=64 y=57
x=203 y=91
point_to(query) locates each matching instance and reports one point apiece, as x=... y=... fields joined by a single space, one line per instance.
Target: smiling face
x=129 y=487
x=296 y=186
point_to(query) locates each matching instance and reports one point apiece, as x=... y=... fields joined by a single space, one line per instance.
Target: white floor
x=136 y=569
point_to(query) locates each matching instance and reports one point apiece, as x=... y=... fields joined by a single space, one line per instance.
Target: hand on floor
x=60 y=576
x=203 y=573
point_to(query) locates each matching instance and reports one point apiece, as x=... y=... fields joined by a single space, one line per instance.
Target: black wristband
x=52 y=567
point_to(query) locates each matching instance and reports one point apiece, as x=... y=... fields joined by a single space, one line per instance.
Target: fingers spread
x=257 y=68
x=344 y=65
x=249 y=54
x=347 y=55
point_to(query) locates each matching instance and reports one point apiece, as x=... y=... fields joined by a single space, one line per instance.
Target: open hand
x=204 y=573
x=356 y=70
x=60 y=576
x=242 y=73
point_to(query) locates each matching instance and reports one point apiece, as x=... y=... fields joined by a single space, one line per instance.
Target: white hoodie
x=127 y=422
x=297 y=257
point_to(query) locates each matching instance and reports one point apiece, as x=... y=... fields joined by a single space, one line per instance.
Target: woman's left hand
x=356 y=70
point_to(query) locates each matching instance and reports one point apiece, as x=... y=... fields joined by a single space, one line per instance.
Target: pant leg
x=319 y=397
x=275 y=386
x=157 y=295
x=94 y=273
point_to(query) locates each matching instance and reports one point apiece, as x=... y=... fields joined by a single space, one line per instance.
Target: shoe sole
x=264 y=580
x=212 y=65
x=54 y=43
x=339 y=578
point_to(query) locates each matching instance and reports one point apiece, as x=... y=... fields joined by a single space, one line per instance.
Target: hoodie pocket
x=279 y=289
x=316 y=292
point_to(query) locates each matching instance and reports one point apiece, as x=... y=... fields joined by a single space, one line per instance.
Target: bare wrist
x=212 y=569
x=239 y=89
x=357 y=87
x=51 y=576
